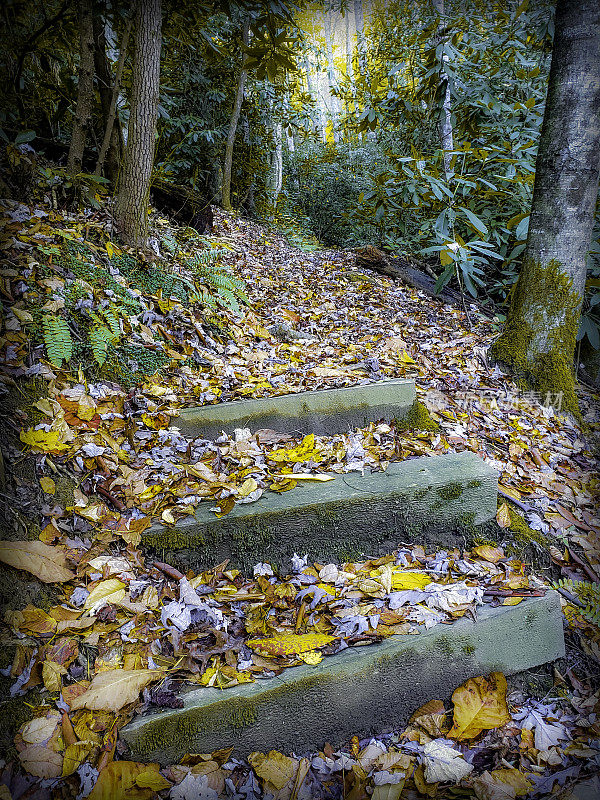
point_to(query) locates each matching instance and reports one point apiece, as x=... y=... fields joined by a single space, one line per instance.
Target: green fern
x=58 y=340
x=215 y=281
x=101 y=337
x=587 y=593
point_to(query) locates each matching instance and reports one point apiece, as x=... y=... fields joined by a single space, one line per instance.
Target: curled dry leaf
x=47 y=563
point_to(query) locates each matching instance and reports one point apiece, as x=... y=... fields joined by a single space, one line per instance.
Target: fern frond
x=58 y=339
x=101 y=338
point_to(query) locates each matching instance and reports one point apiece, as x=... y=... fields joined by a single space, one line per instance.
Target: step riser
x=324 y=412
x=361 y=691
x=434 y=500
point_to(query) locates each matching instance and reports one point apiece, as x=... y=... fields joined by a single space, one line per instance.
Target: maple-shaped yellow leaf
x=45 y=441
x=46 y=562
x=479 y=705
x=115 y=688
x=289 y=644
x=304 y=452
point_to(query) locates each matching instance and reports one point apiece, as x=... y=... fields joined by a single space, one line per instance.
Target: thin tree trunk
x=85 y=88
x=445 y=123
x=111 y=142
x=233 y=123
x=538 y=342
x=360 y=40
x=319 y=122
x=331 y=79
x=131 y=204
x=350 y=68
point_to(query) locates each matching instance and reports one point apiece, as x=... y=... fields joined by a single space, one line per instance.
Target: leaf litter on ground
x=129 y=632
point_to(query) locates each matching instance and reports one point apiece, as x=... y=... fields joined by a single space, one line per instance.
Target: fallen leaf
x=479 y=704
x=503 y=516
x=289 y=644
x=48 y=485
x=41 y=761
x=115 y=688
x=443 y=763
x=46 y=562
x=119 y=781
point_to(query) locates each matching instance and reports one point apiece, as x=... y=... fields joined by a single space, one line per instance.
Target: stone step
x=362 y=690
x=324 y=412
x=436 y=500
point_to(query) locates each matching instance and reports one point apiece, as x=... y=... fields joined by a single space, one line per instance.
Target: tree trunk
x=85 y=88
x=331 y=79
x=445 y=123
x=360 y=40
x=350 y=69
x=131 y=204
x=275 y=183
x=111 y=144
x=319 y=123
x=235 y=116
x=538 y=341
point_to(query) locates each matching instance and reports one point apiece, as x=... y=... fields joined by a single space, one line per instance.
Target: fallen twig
x=169 y=570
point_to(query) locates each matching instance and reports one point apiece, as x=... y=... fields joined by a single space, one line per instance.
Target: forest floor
x=115 y=632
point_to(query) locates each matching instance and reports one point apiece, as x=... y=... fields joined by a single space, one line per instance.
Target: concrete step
x=433 y=499
x=326 y=412
x=362 y=690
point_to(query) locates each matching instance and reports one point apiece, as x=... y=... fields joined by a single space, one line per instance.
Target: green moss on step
x=542 y=300
x=450 y=492
x=522 y=532
x=475 y=483
x=417 y=418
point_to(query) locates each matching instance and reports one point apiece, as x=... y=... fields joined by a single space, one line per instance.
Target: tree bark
x=538 y=341
x=360 y=40
x=131 y=204
x=445 y=123
x=111 y=144
x=350 y=69
x=235 y=116
x=85 y=88
x=331 y=79
x=319 y=123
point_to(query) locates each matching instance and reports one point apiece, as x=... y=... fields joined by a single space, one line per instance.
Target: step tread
x=361 y=690
x=323 y=412
x=351 y=514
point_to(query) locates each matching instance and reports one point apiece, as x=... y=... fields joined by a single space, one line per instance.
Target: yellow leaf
x=410 y=580
x=503 y=516
x=86 y=408
x=45 y=441
x=75 y=754
x=40 y=729
x=118 y=781
x=306 y=476
x=48 y=485
x=109 y=591
x=22 y=315
x=51 y=673
x=513 y=778
x=150 y=492
x=312 y=657
x=489 y=553
x=46 y=562
x=247 y=487
x=511 y=601
x=479 y=704
x=289 y=644
x=152 y=779
x=274 y=768
x=168 y=517
x=115 y=688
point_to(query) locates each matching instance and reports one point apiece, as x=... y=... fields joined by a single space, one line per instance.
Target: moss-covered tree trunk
x=85 y=88
x=131 y=203
x=538 y=342
x=233 y=123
